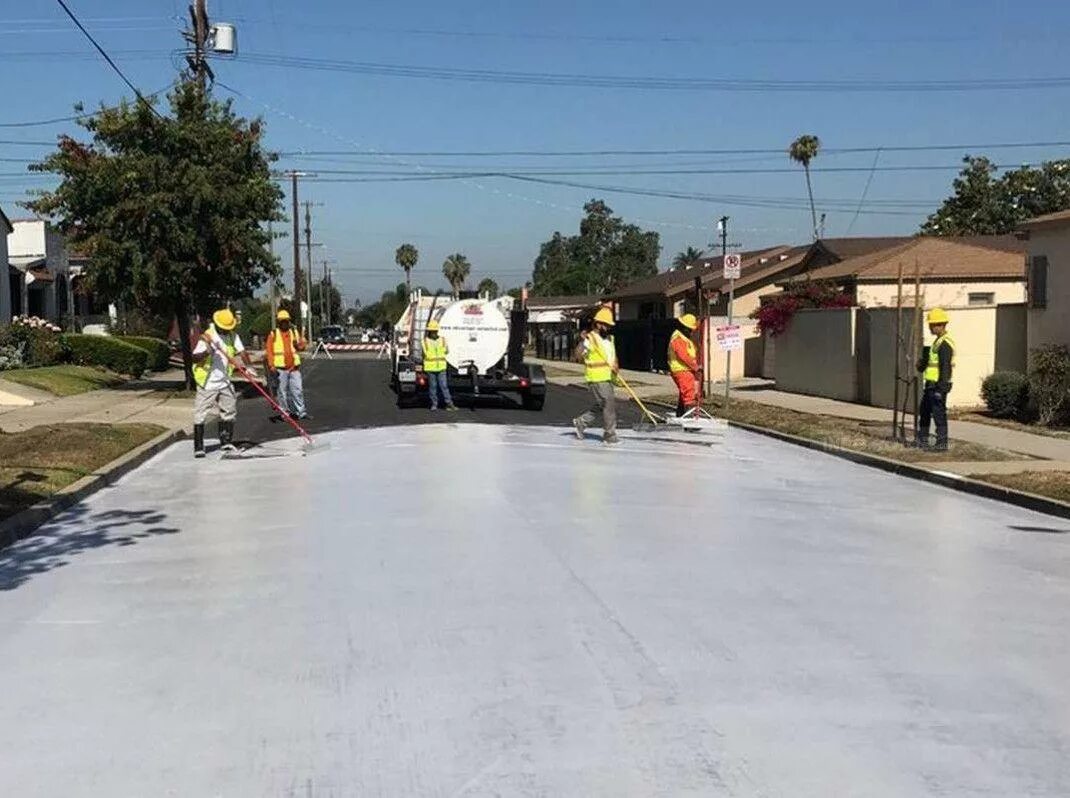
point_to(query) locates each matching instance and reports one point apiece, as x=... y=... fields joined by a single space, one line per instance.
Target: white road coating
x=450 y=611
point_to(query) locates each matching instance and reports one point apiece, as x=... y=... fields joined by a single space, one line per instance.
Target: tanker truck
x=486 y=352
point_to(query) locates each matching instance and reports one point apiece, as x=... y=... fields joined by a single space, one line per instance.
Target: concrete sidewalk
x=149 y=401
x=648 y=385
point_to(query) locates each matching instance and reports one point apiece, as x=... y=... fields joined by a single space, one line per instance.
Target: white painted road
x=446 y=611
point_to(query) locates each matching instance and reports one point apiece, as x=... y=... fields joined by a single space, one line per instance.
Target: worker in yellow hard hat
x=213 y=359
x=435 y=367
x=282 y=360
x=936 y=364
x=683 y=363
x=599 y=356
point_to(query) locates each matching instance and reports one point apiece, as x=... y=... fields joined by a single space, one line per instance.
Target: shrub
x=111 y=353
x=775 y=314
x=1006 y=394
x=10 y=357
x=1049 y=382
x=38 y=340
x=159 y=351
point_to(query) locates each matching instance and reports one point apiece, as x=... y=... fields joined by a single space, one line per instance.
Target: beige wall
x=1052 y=324
x=816 y=354
x=940 y=294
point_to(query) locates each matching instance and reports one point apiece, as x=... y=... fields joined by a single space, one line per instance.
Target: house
x=6 y=281
x=970 y=271
x=1047 y=239
x=41 y=286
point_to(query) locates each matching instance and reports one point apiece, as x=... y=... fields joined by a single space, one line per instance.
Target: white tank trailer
x=486 y=355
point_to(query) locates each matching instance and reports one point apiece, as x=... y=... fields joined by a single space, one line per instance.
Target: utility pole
x=723 y=225
x=310 y=266
x=297 y=248
x=198 y=35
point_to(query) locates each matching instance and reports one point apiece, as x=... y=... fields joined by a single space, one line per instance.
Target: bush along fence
x=111 y=353
x=159 y=351
x=1042 y=396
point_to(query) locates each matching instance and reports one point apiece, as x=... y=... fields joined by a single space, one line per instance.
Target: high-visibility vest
x=283 y=348
x=435 y=351
x=598 y=367
x=932 y=370
x=204 y=368
x=675 y=364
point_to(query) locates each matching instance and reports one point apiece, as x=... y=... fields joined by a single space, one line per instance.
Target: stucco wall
x=1052 y=324
x=941 y=294
x=816 y=354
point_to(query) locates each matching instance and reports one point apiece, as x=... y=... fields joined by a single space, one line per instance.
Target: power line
x=107 y=57
x=77 y=117
x=651 y=83
x=649 y=152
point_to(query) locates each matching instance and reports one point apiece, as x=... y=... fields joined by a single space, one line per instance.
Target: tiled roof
x=1061 y=217
x=677 y=280
x=962 y=258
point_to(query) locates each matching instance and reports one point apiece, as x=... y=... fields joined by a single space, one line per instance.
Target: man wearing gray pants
x=597 y=353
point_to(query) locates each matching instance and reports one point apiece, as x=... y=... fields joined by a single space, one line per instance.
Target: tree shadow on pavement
x=58 y=542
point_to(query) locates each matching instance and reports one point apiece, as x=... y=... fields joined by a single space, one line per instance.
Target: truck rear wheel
x=533 y=401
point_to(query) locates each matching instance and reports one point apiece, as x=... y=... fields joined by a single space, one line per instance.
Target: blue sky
x=499 y=224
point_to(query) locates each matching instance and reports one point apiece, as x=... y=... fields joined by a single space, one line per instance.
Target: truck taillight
x=421 y=380
x=523 y=382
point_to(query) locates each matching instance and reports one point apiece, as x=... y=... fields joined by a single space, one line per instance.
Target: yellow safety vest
x=675 y=364
x=932 y=371
x=435 y=355
x=278 y=347
x=598 y=369
x=204 y=368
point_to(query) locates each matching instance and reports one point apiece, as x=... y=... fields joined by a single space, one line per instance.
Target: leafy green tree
x=456 y=269
x=332 y=298
x=803 y=151
x=688 y=257
x=172 y=209
x=608 y=253
x=489 y=287
x=406 y=257
x=984 y=204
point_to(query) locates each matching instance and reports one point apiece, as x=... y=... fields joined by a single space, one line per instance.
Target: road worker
x=282 y=360
x=683 y=363
x=213 y=358
x=599 y=356
x=435 y=351
x=936 y=365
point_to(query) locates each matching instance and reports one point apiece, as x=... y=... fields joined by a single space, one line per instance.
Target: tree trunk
x=408 y=281
x=182 y=314
x=810 y=191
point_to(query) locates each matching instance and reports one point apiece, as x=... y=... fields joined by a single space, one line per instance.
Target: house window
x=1038 y=282
x=982 y=298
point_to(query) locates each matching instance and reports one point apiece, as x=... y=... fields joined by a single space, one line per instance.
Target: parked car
x=333 y=334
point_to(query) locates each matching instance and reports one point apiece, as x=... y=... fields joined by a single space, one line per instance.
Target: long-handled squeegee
x=310 y=445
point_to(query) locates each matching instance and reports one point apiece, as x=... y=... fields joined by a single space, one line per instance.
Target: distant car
x=333 y=334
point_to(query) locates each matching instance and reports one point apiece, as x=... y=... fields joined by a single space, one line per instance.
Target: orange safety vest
x=676 y=365
x=283 y=349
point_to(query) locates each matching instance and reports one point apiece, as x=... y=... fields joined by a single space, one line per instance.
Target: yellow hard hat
x=689 y=321
x=432 y=326
x=283 y=315
x=225 y=319
x=938 y=316
x=604 y=316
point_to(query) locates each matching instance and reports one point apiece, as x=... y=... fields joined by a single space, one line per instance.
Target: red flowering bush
x=776 y=313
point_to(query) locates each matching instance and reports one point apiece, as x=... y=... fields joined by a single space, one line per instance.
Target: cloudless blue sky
x=499 y=224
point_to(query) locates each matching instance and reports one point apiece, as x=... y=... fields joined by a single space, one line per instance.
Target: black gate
x=643 y=345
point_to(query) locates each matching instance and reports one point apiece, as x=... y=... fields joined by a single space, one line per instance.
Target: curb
x=25 y=523
x=1029 y=501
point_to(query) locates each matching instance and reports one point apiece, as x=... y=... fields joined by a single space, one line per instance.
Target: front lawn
x=65 y=380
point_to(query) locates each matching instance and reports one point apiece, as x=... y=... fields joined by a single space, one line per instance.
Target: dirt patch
x=1052 y=484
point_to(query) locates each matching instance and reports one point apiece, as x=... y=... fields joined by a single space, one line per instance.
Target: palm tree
x=456 y=269
x=406 y=257
x=688 y=257
x=803 y=150
x=489 y=287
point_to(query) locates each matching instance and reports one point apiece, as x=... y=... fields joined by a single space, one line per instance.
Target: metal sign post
x=732 y=269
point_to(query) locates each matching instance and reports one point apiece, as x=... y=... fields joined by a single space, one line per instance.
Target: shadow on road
x=54 y=545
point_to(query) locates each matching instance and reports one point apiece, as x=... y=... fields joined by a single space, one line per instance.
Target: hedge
x=1006 y=394
x=159 y=350
x=109 y=352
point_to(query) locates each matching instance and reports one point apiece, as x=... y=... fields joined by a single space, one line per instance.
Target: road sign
x=733 y=267
x=730 y=338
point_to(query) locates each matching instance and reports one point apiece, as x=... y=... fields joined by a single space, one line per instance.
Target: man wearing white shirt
x=213 y=366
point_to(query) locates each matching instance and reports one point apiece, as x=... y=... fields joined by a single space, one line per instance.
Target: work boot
x=610 y=440
x=451 y=407
x=940 y=446
x=226 y=435
x=198 y=440
x=581 y=428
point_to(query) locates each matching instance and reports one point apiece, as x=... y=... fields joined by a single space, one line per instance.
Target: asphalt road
x=353 y=392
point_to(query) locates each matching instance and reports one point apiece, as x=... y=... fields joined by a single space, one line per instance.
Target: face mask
x=284 y=325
